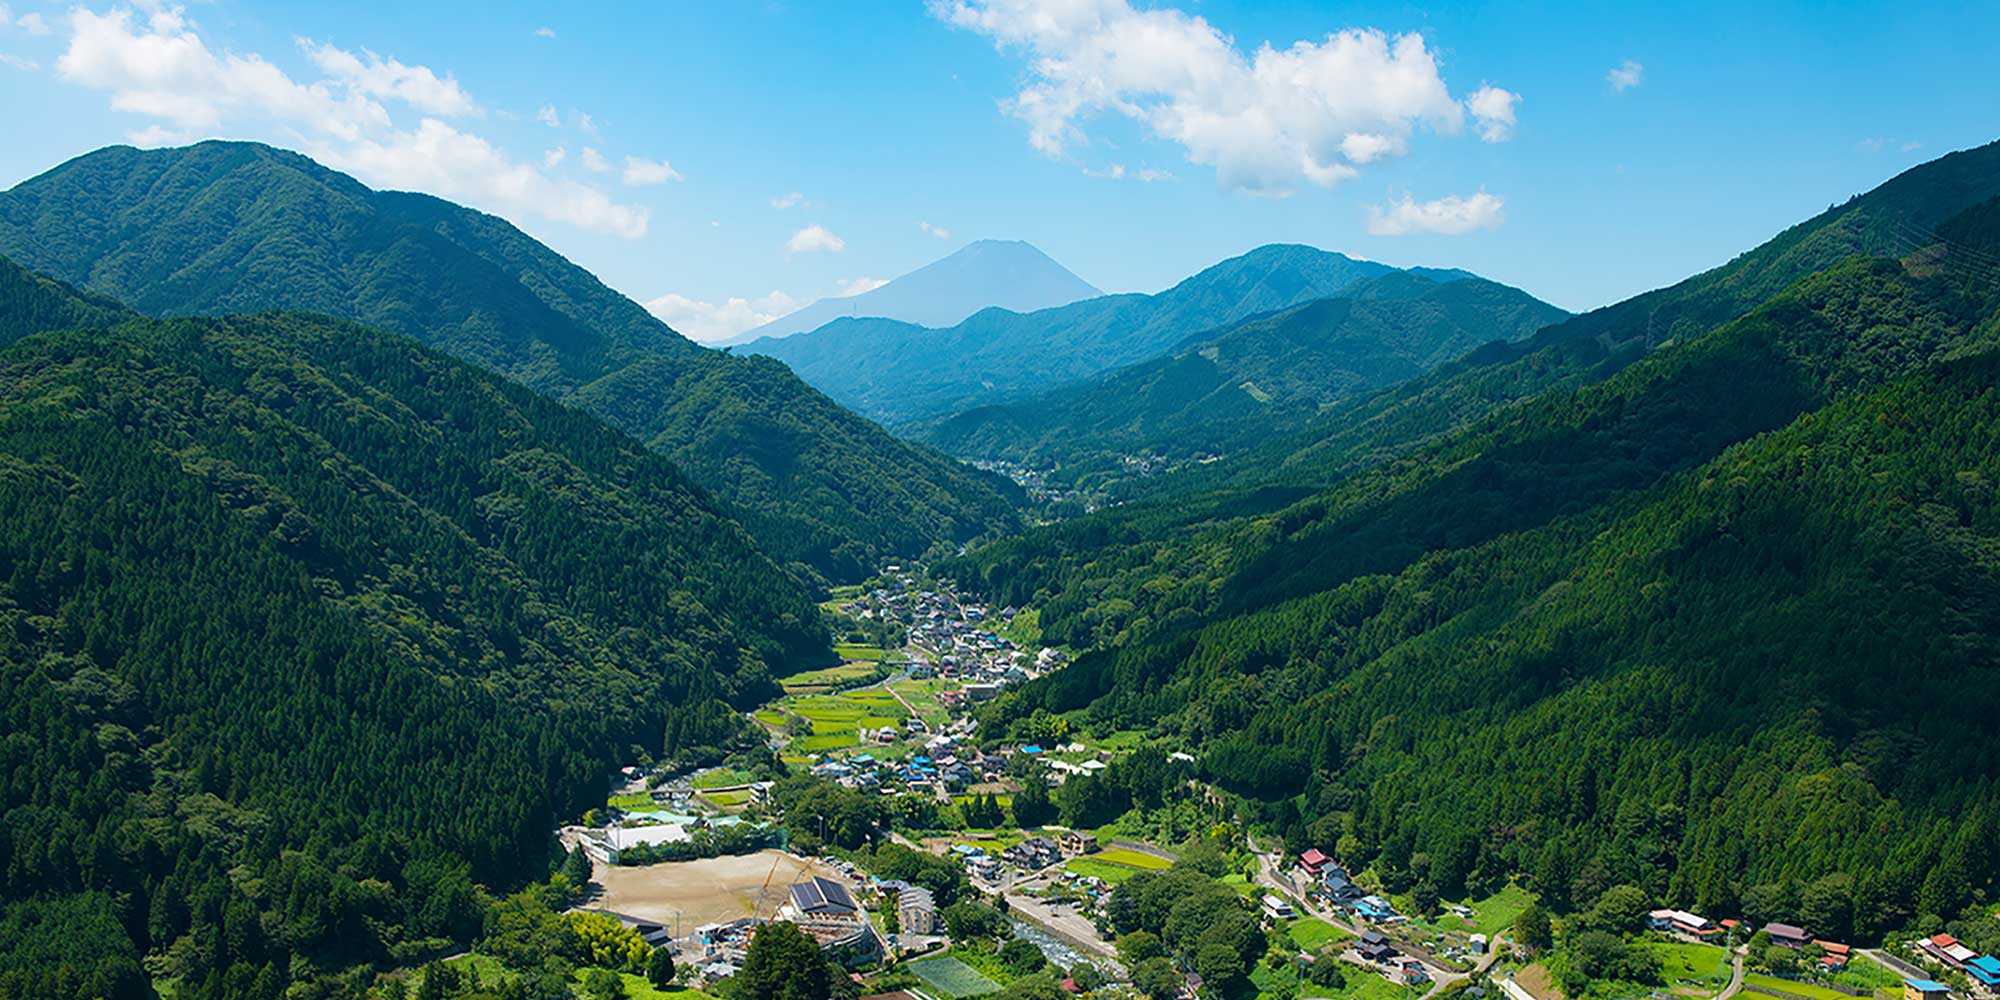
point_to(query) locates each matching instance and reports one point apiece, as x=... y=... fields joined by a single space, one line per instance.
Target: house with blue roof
x=1986 y=969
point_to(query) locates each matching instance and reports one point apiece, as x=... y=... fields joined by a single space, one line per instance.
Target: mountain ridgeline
x=1228 y=390
x=233 y=227
x=299 y=601
x=1004 y=274
x=901 y=373
x=1706 y=606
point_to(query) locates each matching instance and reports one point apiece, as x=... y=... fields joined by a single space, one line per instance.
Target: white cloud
x=370 y=74
x=1626 y=75
x=1265 y=121
x=162 y=69
x=1448 y=216
x=548 y=116
x=33 y=23
x=939 y=232
x=645 y=173
x=856 y=286
x=155 y=65
x=16 y=62
x=1912 y=146
x=814 y=238
x=438 y=158
x=790 y=199
x=1493 y=109
x=554 y=157
x=594 y=161
x=709 y=322
x=1117 y=172
x=585 y=123
x=545 y=32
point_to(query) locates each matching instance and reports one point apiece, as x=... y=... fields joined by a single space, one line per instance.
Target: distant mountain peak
x=1009 y=274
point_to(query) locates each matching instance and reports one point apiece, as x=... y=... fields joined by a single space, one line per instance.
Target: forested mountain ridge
x=1891 y=220
x=31 y=303
x=1719 y=625
x=1090 y=570
x=1108 y=578
x=232 y=227
x=1225 y=390
x=309 y=628
x=899 y=372
x=1770 y=672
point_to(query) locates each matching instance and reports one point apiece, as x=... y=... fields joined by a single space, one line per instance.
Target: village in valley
x=930 y=859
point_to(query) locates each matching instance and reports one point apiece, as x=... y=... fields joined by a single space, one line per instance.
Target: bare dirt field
x=709 y=891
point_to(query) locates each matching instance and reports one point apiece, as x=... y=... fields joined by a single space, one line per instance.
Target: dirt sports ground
x=709 y=891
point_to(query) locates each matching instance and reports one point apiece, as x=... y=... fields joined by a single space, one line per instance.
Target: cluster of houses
x=1331 y=882
x=956 y=630
x=1949 y=951
x=1030 y=855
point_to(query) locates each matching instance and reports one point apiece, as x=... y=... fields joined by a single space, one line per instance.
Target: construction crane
x=758 y=909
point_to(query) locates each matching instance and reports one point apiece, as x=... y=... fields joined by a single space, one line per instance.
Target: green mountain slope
x=899 y=372
x=1892 y=220
x=31 y=303
x=309 y=627
x=1230 y=389
x=1771 y=672
x=1719 y=625
x=232 y=227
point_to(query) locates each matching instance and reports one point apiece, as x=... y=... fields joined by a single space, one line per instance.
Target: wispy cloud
x=1626 y=75
x=545 y=32
x=1493 y=109
x=1312 y=112
x=939 y=232
x=815 y=239
x=645 y=173
x=155 y=65
x=594 y=161
x=856 y=286
x=1447 y=216
x=790 y=199
x=708 y=322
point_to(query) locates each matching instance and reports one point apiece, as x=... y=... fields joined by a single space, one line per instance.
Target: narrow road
x=1735 y=979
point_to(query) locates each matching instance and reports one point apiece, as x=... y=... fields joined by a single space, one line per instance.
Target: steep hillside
x=1563 y=452
x=1004 y=274
x=1901 y=216
x=309 y=627
x=899 y=372
x=1773 y=672
x=31 y=303
x=1228 y=390
x=230 y=227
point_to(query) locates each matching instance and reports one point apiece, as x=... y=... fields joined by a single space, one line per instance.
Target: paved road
x=1271 y=875
x=1067 y=923
x=1735 y=979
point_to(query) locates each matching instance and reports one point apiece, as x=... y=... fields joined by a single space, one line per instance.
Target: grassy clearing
x=729 y=799
x=1114 y=874
x=852 y=651
x=1024 y=631
x=952 y=977
x=821 y=743
x=829 y=676
x=1312 y=933
x=1702 y=963
x=770 y=717
x=1133 y=859
x=1362 y=984
x=1243 y=886
x=723 y=777
x=1756 y=983
x=631 y=800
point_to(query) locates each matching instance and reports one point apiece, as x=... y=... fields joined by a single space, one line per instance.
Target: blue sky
x=771 y=154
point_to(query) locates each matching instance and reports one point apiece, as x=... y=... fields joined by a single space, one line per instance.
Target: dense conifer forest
x=311 y=630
